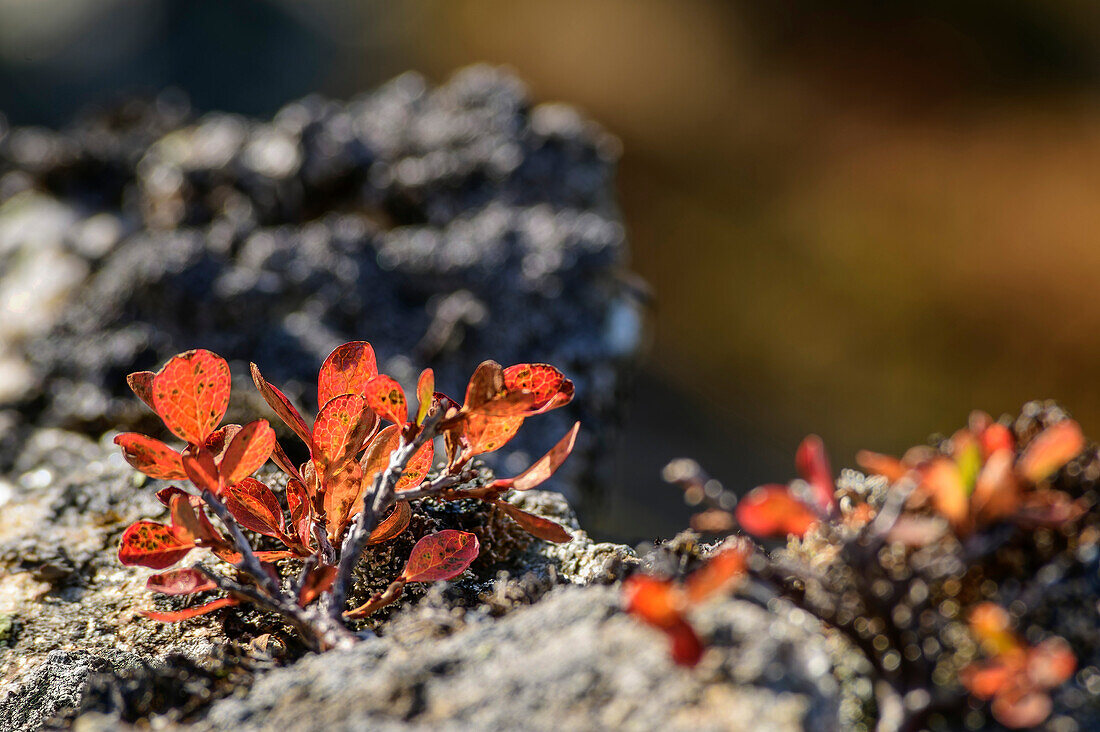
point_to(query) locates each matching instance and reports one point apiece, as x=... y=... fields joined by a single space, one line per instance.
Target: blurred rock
x=445 y=226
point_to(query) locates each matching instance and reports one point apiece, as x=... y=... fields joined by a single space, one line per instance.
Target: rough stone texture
x=445 y=226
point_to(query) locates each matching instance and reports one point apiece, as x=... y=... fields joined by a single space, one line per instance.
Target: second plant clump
x=353 y=491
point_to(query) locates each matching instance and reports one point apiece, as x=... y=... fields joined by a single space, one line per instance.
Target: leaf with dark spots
x=152 y=545
x=191 y=394
x=255 y=507
x=387 y=398
x=441 y=556
x=180 y=582
x=150 y=456
x=346 y=371
x=393 y=525
x=247 y=451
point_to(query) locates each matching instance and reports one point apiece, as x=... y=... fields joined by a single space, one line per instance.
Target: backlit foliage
x=367 y=462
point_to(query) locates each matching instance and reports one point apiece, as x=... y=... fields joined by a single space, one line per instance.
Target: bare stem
x=379 y=600
x=436 y=486
x=376 y=502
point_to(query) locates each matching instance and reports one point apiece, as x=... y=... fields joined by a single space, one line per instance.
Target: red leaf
x=885 y=465
x=1051 y=663
x=280 y=458
x=150 y=456
x=393 y=525
x=550 y=387
x=1050 y=450
x=486 y=384
x=386 y=397
x=997 y=437
x=247 y=451
x=545 y=466
x=343 y=496
x=985 y=679
x=486 y=434
x=141 y=383
x=180 y=582
x=687 y=649
x=152 y=545
x=813 y=465
x=535 y=525
x=340 y=430
x=346 y=371
x=377 y=456
x=191 y=612
x=200 y=468
x=1021 y=708
x=425 y=389
x=164 y=495
x=190 y=523
x=255 y=507
x=944 y=483
x=656 y=601
x=191 y=394
x=417 y=469
x=282 y=407
x=1047 y=508
x=441 y=556
x=317 y=581
x=772 y=510
x=298 y=500
x=996 y=492
x=719 y=573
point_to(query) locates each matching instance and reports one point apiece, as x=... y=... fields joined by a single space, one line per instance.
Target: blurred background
x=857 y=218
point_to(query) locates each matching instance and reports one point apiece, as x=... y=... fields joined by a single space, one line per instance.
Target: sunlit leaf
x=984 y=679
x=812 y=463
x=1051 y=663
x=887 y=466
x=165 y=495
x=150 y=456
x=548 y=384
x=486 y=434
x=200 y=468
x=720 y=572
x=152 y=545
x=1021 y=708
x=997 y=437
x=967 y=454
x=943 y=482
x=486 y=384
x=537 y=526
x=386 y=397
x=191 y=394
x=659 y=603
x=545 y=466
x=425 y=390
x=180 y=582
x=393 y=525
x=141 y=383
x=282 y=406
x=441 y=556
x=346 y=371
x=317 y=581
x=219 y=439
x=255 y=507
x=772 y=510
x=298 y=501
x=417 y=469
x=376 y=458
x=343 y=495
x=191 y=612
x=247 y=451
x=280 y=458
x=996 y=492
x=917 y=531
x=187 y=523
x=340 y=430
x=1050 y=450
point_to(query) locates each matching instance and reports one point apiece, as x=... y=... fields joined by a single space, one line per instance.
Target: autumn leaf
x=772 y=510
x=393 y=525
x=317 y=581
x=417 y=469
x=199 y=465
x=141 y=383
x=441 y=556
x=150 y=456
x=943 y=482
x=282 y=407
x=535 y=525
x=425 y=390
x=191 y=394
x=549 y=385
x=346 y=371
x=544 y=467
x=340 y=430
x=486 y=434
x=386 y=397
x=191 y=612
x=342 y=496
x=255 y=507
x=180 y=582
x=152 y=545
x=1050 y=450
x=247 y=451
x=720 y=572
x=298 y=501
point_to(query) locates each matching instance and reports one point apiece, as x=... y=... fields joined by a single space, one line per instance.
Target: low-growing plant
x=897 y=563
x=354 y=490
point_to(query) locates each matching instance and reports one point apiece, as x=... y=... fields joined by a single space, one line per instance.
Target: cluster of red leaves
x=1017 y=676
x=348 y=449
x=982 y=480
x=665 y=604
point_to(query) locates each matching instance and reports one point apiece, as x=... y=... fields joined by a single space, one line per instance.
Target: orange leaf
x=441 y=556
x=340 y=430
x=813 y=465
x=992 y=626
x=191 y=612
x=996 y=493
x=687 y=649
x=537 y=526
x=885 y=465
x=387 y=398
x=247 y=451
x=944 y=483
x=141 y=383
x=152 y=545
x=190 y=523
x=298 y=500
x=417 y=469
x=545 y=466
x=180 y=582
x=191 y=394
x=393 y=525
x=985 y=679
x=343 y=495
x=255 y=507
x=550 y=387
x=1051 y=663
x=656 y=601
x=486 y=434
x=425 y=389
x=1050 y=450
x=1021 y=708
x=165 y=495
x=377 y=456
x=719 y=573
x=280 y=458
x=346 y=371
x=150 y=456
x=486 y=384
x=219 y=439
x=997 y=437
x=200 y=468
x=282 y=407
x=317 y=581
x=772 y=510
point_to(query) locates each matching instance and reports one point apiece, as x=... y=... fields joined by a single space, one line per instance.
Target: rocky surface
x=445 y=226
